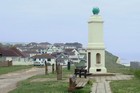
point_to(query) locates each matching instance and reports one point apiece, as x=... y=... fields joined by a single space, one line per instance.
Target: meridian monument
x=96 y=47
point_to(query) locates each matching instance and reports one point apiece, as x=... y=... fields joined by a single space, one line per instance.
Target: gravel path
x=9 y=81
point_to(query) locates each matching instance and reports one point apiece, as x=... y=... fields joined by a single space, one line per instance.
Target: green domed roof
x=95 y=11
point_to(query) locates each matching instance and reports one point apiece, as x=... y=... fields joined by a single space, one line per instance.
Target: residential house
x=73 y=55
x=53 y=49
x=14 y=55
x=32 y=44
x=62 y=59
x=59 y=44
x=82 y=53
x=74 y=45
x=44 y=57
x=31 y=53
x=44 y=44
x=22 y=48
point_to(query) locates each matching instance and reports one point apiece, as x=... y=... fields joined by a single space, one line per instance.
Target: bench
x=74 y=83
x=80 y=72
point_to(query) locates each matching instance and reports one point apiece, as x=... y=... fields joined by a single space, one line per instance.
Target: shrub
x=137 y=73
x=90 y=82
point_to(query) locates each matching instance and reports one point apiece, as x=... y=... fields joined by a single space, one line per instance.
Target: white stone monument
x=96 y=48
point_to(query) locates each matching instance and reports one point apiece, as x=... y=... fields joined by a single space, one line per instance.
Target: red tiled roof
x=7 y=52
x=11 y=52
x=17 y=51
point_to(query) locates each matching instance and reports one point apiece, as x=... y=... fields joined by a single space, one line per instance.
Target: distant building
x=62 y=59
x=135 y=65
x=31 y=53
x=14 y=55
x=44 y=44
x=59 y=45
x=53 y=49
x=75 y=45
x=44 y=57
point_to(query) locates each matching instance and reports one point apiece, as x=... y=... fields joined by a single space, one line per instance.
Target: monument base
x=97 y=70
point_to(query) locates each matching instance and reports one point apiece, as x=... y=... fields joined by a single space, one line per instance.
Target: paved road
x=8 y=81
x=102 y=82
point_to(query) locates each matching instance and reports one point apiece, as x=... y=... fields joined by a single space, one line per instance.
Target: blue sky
x=66 y=21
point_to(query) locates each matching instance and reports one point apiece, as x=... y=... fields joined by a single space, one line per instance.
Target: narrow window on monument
x=98 y=58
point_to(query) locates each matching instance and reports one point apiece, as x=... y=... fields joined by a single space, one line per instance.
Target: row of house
x=46 y=47
x=71 y=51
x=24 y=57
x=69 y=55
x=19 y=57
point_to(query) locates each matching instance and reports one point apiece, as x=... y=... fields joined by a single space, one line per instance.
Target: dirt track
x=9 y=81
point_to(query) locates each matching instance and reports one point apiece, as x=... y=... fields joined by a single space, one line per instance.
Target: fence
x=5 y=63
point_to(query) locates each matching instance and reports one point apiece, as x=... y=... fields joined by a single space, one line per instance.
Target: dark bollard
x=80 y=73
x=85 y=73
x=46 y=68
x=68 y=65
x=53 y=68
x=75 y=72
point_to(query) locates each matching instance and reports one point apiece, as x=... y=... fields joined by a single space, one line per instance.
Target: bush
x=90 y=82
x=137 y=73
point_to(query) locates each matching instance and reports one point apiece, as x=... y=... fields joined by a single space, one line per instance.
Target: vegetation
x=122 y=86
x=113 y=67
x=49 y=84
x=126 y=86
x=80 y=64
x=136 y=73
x=4 y=70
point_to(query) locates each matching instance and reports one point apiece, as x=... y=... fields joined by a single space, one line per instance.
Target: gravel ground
x=9 y=81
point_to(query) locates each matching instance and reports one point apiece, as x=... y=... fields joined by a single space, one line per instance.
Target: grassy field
x=48 y=84
x=4 y=70
x=126 y=86
x=122 y=86
x=113 y=67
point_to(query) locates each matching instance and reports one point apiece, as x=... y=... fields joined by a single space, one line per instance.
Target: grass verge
x=126 y=86
x=5 y=70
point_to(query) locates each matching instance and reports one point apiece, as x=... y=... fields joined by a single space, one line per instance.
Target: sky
x=66 y=21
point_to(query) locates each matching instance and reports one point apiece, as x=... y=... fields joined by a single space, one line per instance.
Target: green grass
x=126 y=86
x=122 y=86
x=41 y=87
x=4 y=70
x=113 y=67
x=51 y=85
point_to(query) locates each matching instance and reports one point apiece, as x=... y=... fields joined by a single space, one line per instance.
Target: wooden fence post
x=59 y=72
x=46 y=68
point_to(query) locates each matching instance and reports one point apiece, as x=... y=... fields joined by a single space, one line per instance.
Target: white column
x=96 y=45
